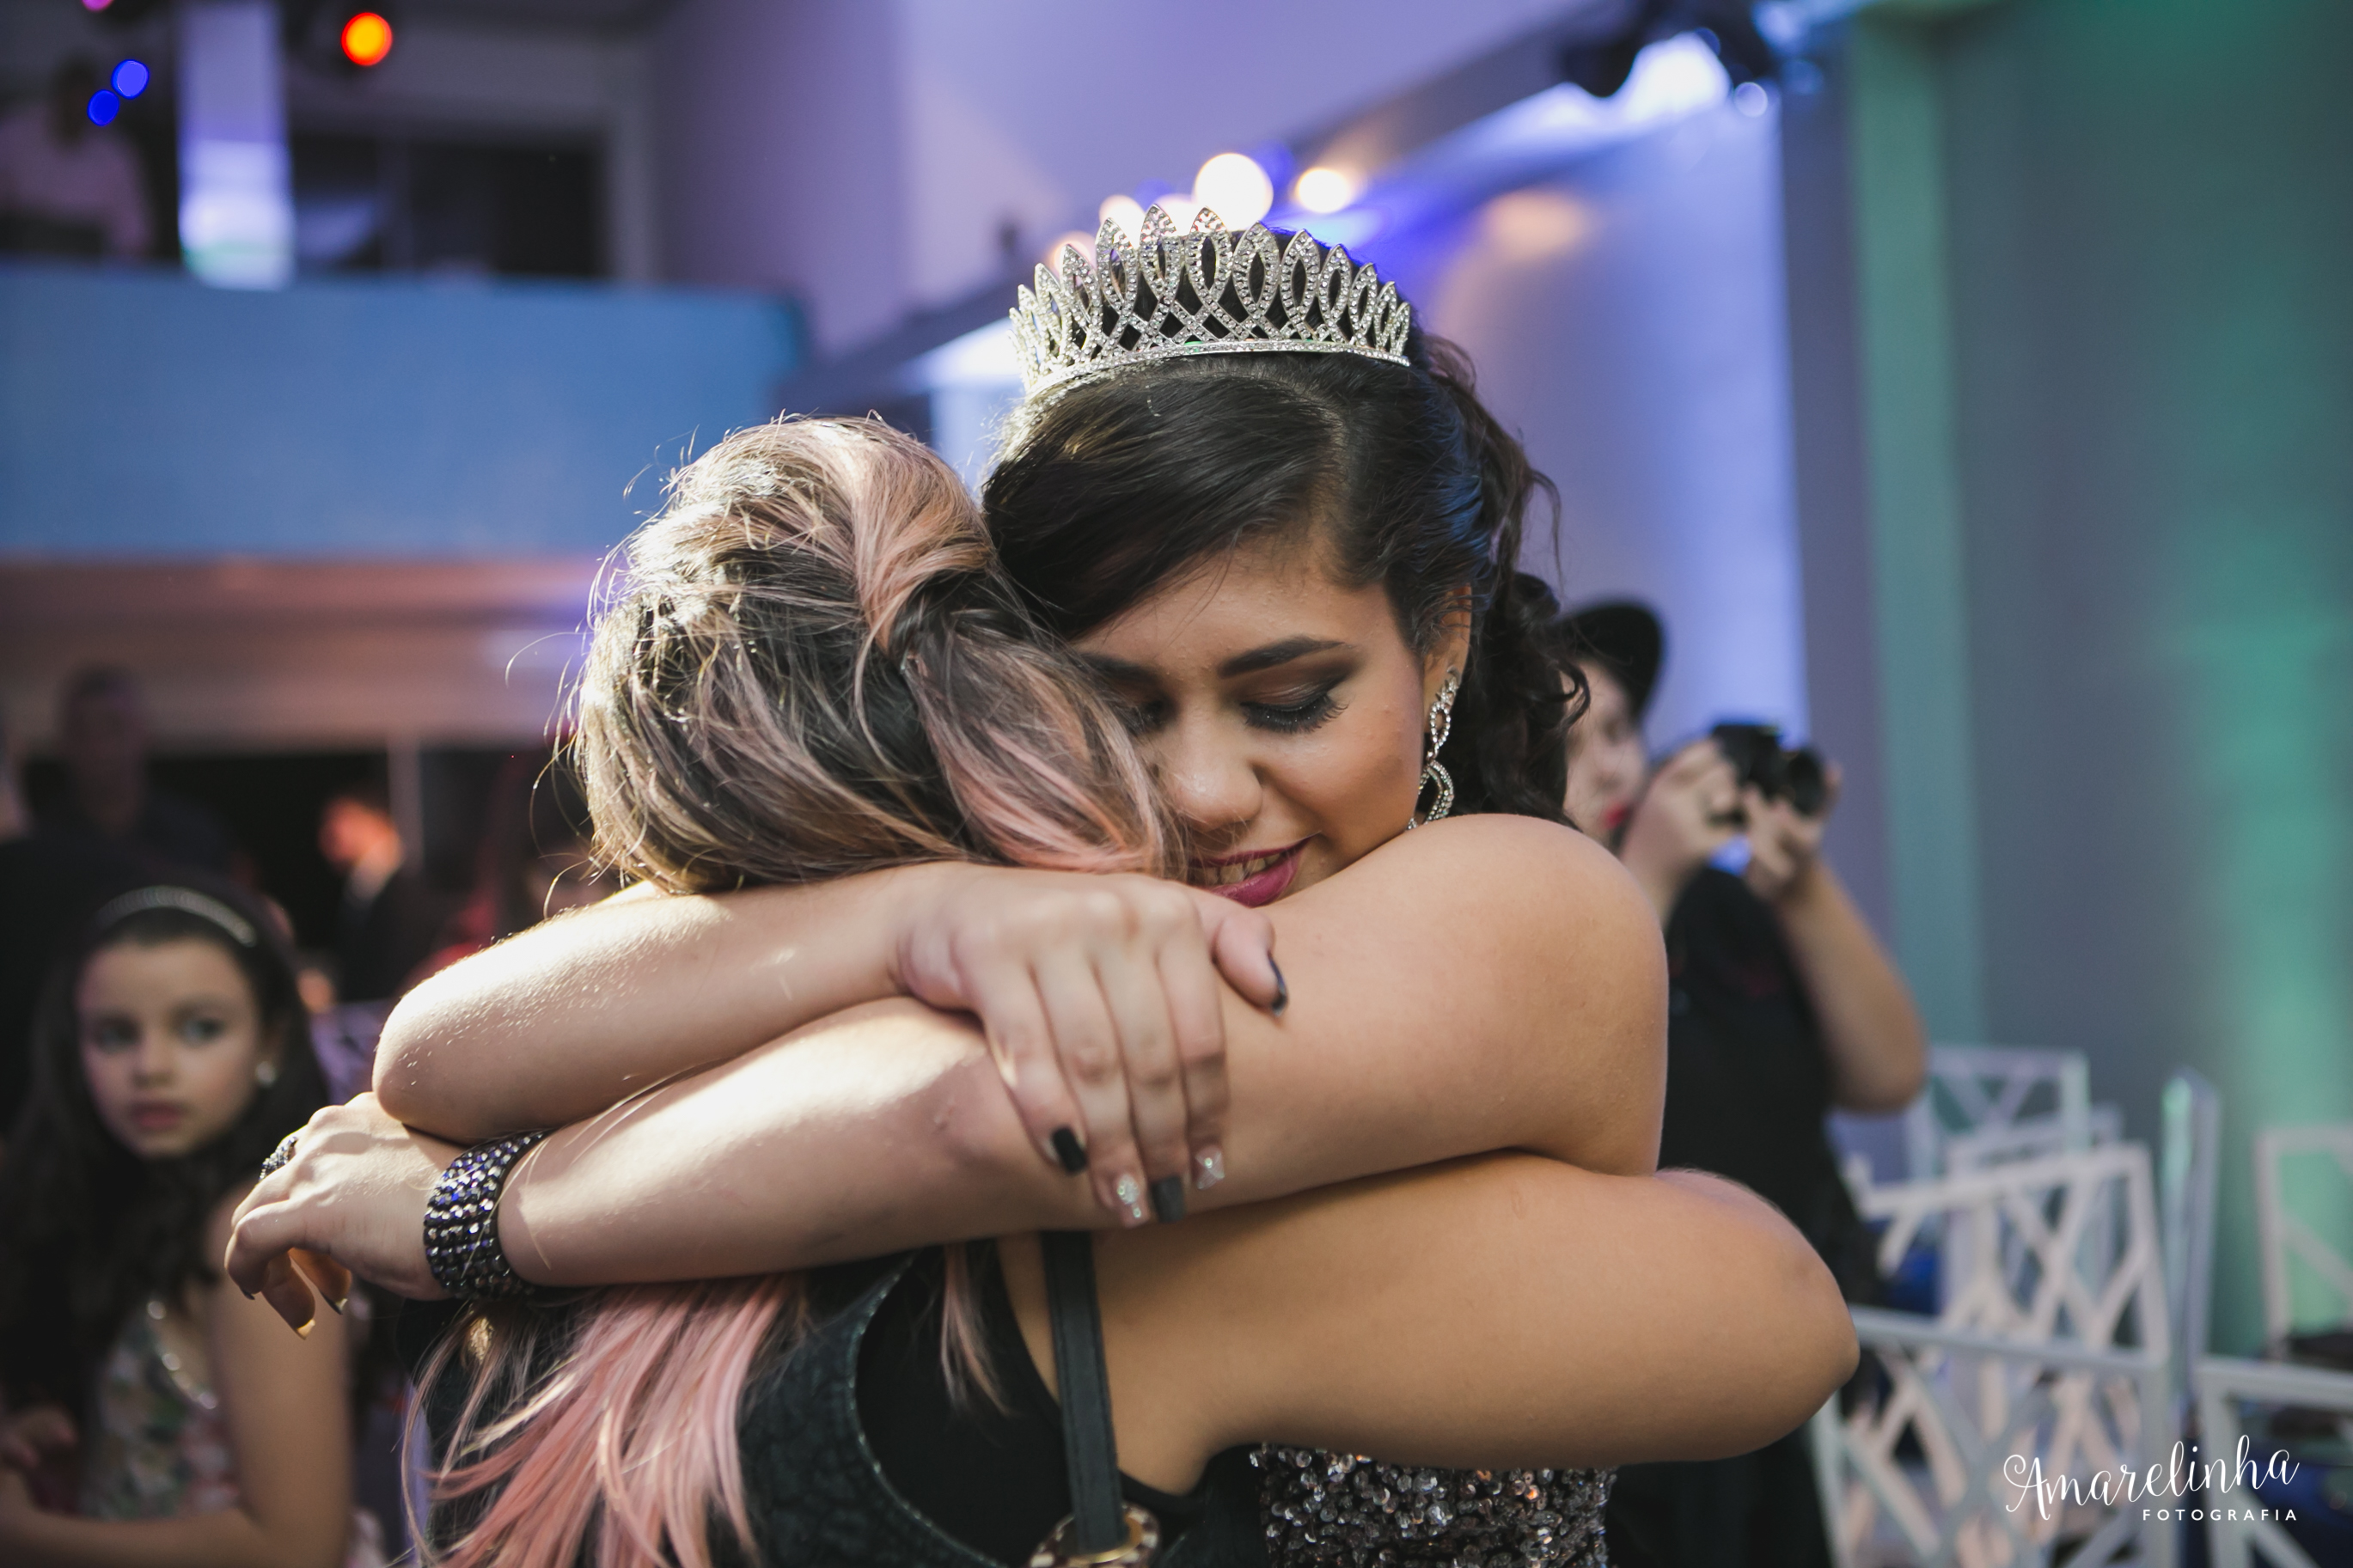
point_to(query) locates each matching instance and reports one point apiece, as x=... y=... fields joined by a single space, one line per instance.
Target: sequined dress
x=160 y=1445
x=1334 y=1511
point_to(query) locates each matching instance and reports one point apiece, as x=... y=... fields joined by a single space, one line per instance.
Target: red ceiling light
x=366 y=38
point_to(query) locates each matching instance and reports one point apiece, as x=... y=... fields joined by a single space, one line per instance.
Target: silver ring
x=279 y=1156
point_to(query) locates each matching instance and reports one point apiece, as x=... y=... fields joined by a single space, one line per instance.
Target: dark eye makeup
x=1295 y=717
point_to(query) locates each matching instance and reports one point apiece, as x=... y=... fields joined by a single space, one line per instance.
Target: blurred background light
x=1084 y=244
x=1124 y=211
x=96 y=4
x=103 y=107
x=1751 y=98
x=1234 y=186
x=1324 y=190
x=366 y=38
x=237 y=207
x=130 y=78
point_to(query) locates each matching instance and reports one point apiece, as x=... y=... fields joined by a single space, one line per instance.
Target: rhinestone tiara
x=1252 y=291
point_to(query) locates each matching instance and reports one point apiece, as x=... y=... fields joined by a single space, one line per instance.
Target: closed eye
x=1309 y=712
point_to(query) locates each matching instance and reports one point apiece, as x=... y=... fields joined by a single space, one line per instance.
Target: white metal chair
x=2059 y=1366
x=2288 y=1239
x=2030 y=1138
x=2238 y=1535
x=2188 y=1171
x=1975 y=1089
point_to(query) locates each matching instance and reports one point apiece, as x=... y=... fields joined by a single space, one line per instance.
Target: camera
x=1773 y=770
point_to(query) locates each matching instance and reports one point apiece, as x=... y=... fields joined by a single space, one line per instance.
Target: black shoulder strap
x=1097 y=1510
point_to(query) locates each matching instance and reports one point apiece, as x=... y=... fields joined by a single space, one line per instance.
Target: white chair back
x=2050 y=1357
x=2032 y=1264
x=2239 y=1534
x=2032 y=1138
x=1976 y=1088
x=2298 y=1244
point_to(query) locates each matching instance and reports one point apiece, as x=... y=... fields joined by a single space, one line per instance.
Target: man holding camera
x=1783 y=1006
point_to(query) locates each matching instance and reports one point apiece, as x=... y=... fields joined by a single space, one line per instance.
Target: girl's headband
x=186 y=899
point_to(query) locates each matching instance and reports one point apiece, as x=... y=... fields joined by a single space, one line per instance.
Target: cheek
x=218 y=1082
x=1355 y=776
x=109 y=1074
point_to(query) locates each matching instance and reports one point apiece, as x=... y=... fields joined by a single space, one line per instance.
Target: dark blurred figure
x=55 y=870
x=391 y=917
x=534 y=862
x=15 y=816
x=1781 y=1006
x=103 y=734
x=68 y=187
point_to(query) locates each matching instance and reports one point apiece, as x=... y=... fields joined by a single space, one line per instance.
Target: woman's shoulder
x=1515 y=879
x=1492 y=851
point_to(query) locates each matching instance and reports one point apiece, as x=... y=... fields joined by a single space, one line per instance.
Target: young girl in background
x=153 y=1414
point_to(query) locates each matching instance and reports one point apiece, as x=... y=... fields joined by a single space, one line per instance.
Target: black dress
x=857 y=1452
x=1748 y=1088
x=857 y=1455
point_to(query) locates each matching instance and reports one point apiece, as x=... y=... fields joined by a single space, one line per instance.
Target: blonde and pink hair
x=811 y=665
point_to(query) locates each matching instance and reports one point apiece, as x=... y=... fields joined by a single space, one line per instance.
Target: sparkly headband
x=1254 y=291
x=186 y=899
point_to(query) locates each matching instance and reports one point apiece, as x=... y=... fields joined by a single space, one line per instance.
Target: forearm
x=888 y=1127
x=231 y=1539
x=1589 y=1320
x=563 y=1020
x=1878 y=1051
x=881 y=1128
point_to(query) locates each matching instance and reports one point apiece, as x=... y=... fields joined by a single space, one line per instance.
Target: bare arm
x=289 y=1420
x=560 y=1021
x=1511 y=1012
x=1878 y=1051
x=1541 y=1316
x=1519 y=1003
x=1099 y=996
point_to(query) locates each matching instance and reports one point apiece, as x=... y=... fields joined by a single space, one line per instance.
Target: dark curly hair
x=1121 y=483
x=88 y=1229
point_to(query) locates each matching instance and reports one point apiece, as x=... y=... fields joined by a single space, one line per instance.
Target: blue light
x=103 y=107
x=130 y=78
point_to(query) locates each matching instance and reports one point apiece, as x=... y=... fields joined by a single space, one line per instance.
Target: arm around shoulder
x=1504 y=1311
x=1491 y=982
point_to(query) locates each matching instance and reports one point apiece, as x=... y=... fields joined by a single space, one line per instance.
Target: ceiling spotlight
x=1324 y=190
x=1235 y=188
x=130 y=78
x=366 y=38
x=103 y=107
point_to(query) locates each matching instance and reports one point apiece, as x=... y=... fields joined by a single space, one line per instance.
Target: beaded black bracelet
x=461 y=1222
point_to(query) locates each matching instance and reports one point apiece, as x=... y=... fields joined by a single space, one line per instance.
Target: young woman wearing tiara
x=1521 y=1335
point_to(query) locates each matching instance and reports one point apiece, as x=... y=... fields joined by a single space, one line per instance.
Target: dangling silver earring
x=1433 y=771
x=265 y=1073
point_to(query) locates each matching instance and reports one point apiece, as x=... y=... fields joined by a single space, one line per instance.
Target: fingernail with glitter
x=1168 y=1199
x=1130 y=1194
x=1208 y=1168
x=1069 y=1151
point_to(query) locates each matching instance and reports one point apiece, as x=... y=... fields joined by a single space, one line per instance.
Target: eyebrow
x=1272 y=656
